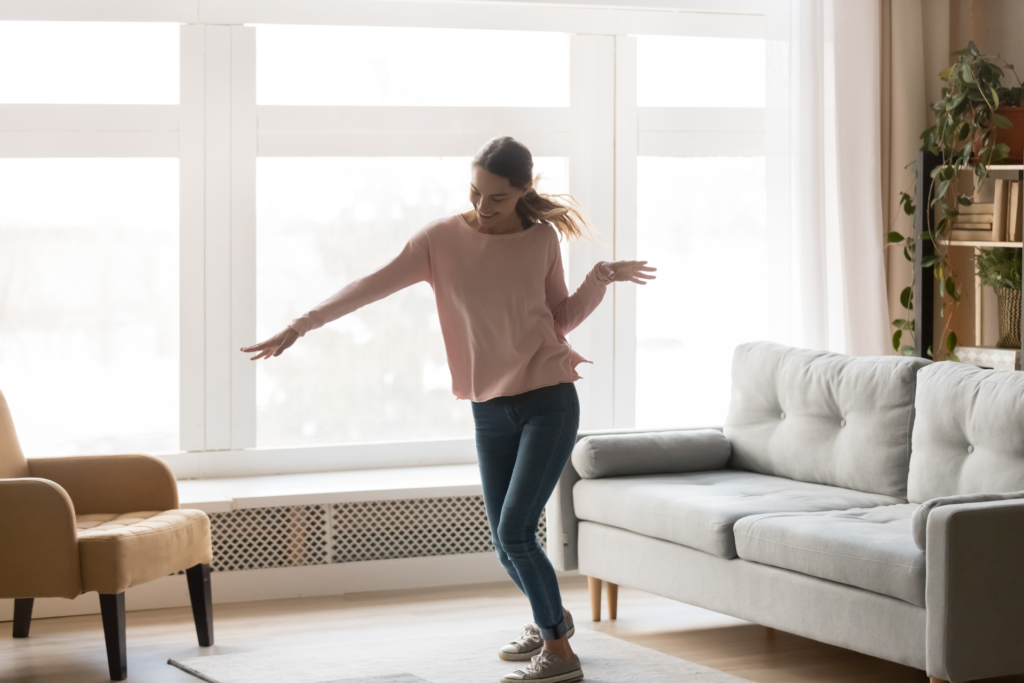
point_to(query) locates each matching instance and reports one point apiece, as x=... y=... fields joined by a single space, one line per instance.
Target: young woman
x=504 y=309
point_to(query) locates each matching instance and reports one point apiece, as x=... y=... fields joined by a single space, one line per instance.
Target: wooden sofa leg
x=933 y=679
x=595 y=597
x=22 y=616
x=612 y=589
x=202 y=602
x=112 y=610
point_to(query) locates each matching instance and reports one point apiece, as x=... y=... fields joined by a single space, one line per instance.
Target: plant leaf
x=1001 y=121
x=896 y=339
x=905 y=297
x=895 y=237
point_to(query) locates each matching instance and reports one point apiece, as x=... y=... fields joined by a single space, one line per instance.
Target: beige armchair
x=96 y=523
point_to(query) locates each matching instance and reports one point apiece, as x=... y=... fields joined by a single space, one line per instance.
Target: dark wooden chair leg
x=22 y=616
x=202 y=602
x=112 y=609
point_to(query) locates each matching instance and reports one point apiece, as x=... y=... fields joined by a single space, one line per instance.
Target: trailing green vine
x=963 y=137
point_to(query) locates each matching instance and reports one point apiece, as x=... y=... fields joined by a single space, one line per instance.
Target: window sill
x=236 y=493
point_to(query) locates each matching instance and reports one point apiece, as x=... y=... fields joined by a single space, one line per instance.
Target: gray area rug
x=433 y=660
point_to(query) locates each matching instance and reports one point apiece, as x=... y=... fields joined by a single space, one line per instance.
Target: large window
x=701 y=220
x=698 y=71
x=89 y=304
x=172 y=190
x=369 y=65
x=379 y=373
x=66 y=62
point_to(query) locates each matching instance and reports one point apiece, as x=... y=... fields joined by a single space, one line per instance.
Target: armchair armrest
x=974 y=590
x=562 y=523
x=111 y=483
x=38 y=541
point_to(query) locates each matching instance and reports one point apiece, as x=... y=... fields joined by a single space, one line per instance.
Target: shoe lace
x=530 y=631
x=539 y=663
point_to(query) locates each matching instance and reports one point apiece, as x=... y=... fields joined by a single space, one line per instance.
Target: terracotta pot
x=1013 y=137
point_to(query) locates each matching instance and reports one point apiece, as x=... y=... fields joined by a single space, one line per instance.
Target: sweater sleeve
x=570 y=311
x=410 y=266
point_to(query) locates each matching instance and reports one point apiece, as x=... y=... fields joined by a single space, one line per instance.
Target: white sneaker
x=530 y=643
x=547 y=667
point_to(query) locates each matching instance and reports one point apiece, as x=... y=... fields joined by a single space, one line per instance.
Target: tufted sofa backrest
x=823 y=417
x=969 y=435
x=12 y=460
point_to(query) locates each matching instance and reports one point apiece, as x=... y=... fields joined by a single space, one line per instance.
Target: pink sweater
x=501 y=300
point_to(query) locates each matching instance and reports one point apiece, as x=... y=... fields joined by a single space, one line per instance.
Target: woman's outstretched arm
x=570 y=311
x=412 y=265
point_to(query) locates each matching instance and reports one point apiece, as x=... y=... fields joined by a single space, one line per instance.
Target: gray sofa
x=871 y=503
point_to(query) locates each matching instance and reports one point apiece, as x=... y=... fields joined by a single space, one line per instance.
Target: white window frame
x=217 y=131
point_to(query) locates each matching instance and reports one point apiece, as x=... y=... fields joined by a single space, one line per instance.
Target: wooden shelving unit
x=963 y=243
x=924 y=280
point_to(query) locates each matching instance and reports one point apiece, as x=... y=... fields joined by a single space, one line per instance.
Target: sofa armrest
x=562 y=523
x=919 y=522
x=38 y=541
x=974 y=590
x=111 y=483
x=622 y=455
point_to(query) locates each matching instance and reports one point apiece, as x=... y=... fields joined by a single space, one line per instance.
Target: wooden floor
x=70 y=649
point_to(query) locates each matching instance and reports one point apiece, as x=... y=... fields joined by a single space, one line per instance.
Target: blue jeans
x=522 y=449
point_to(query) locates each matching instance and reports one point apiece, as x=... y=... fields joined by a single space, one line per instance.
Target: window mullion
x=191 y=165
x=626 y=149
x=243 y=234
x=591 y=182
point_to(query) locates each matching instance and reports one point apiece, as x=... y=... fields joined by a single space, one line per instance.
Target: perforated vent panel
x=262 y=538
x=298 y=535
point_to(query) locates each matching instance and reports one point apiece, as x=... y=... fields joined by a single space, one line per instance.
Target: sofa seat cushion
x=870 y=548
x=118 y=551
x=699 y=509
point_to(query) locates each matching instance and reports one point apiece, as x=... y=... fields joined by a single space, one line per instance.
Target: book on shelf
x=972 y=218
x=972 y=232
x=997 y=218
x=999 y=210
x=1013 y=213
x=983 y=207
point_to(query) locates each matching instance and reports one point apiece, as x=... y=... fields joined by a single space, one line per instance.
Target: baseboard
x=291 y=582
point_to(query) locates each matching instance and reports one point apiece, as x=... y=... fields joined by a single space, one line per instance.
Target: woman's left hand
x=627 y=271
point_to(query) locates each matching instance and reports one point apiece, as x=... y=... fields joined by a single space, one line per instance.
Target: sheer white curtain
x=823 y=151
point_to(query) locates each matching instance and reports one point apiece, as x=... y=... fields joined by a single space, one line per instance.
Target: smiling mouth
x=487 y=215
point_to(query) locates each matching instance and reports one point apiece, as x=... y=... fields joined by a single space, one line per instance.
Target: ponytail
x=510 y=159
x=560 y=210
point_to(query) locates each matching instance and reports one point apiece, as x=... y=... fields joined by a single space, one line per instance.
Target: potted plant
x=978 y=122
x=1000 y=268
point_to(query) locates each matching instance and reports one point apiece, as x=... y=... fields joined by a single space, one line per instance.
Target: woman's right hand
x=274 y=346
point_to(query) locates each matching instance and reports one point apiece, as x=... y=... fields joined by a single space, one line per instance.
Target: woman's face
x=493 y=197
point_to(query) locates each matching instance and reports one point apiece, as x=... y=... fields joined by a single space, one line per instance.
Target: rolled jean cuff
x=555 y=632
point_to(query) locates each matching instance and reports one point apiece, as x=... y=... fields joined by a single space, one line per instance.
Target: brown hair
x=506 y=157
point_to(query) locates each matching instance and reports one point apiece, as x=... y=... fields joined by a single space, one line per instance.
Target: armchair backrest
x=969 y=434
x=12 y=460
x=823 y=417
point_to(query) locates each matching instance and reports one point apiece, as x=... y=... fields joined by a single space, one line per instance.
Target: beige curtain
x=904 y=116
